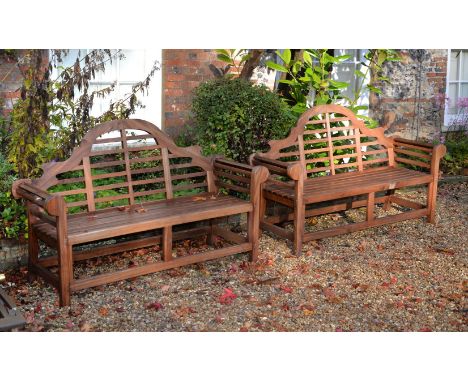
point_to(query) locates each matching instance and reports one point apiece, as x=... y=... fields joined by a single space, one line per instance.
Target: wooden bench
x=10 y=317
x=331 y=162
x=128 y=177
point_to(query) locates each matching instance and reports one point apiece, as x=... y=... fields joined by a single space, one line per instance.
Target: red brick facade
x=183 y=70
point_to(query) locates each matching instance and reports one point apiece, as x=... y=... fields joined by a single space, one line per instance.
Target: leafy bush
x=456 y=158
x=236 y=118
x=13 y=221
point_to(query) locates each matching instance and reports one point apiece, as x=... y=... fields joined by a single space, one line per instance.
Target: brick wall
x=182 y=71
x=415 y=81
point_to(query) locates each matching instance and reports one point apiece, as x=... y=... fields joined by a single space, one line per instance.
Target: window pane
x=454 y=65
x=464 y=91
x=452 y=103
x=464 y=72
x=132 y=67
x=110 y=72
x=100 y=105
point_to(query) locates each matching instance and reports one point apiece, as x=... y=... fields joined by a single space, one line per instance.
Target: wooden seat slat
x=326 y=188
x=84 y=228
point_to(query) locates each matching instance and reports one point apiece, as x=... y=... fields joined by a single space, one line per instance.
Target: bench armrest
x=419 y=154
x=293 y=170
x=255 y=176
x=53 y=204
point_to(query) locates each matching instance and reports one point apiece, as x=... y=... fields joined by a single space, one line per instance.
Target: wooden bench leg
x=253 y=233
x=262 y=208
x=370 y=206
x=431 y=201
x=210 y=237
x=33 y=252
x=299 y=222
x=65 y=273
x=388 y=200
x=167 y=243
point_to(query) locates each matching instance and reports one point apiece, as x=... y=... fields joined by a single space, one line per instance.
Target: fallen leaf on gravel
x=103 y=311
x=85 y=326
x=425 y=329
x=119 y=309
x=362 y=246
x=154 y=305
x=286 y=289
x=399 y=304
x=312 y=221
x=315 y=286
x=227 y=297
x=29 y=317
x=330 y=295
x=308 y=310
x=183 y=311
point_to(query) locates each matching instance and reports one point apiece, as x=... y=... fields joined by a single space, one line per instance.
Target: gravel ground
x=409 y=276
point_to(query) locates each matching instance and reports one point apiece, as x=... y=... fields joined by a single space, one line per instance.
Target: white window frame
x=449 y=118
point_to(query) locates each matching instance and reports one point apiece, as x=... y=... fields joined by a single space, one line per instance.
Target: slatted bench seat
x=127 y=177
x=330 y=156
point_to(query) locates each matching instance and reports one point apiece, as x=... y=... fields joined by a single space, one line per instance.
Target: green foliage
x=234 y=58
x=13 y=222
x=309 y=78
x=236 y=118
x=456 y=158
x=64 y=102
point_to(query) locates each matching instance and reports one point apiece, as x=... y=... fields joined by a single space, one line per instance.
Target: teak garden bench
x=331 y=162
x=128 y=177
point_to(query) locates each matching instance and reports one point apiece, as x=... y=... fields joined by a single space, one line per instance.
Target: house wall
x=183 y=71
x=415 y=93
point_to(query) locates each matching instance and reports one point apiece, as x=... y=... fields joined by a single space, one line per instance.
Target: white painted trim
x=449 y=118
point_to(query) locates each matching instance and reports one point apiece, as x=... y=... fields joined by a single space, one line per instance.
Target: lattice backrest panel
x=329 y=139
x=129 y=164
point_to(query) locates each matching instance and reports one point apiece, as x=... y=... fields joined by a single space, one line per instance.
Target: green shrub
x=456 y=158
x=13 y=223
x=236 y=118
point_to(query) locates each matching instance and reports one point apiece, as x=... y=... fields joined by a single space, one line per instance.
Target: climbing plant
x=64 y=102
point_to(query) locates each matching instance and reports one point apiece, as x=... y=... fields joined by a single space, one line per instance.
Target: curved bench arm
x=256 y=176
x=431 y=154
x=53 y=204
x=295 y=171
